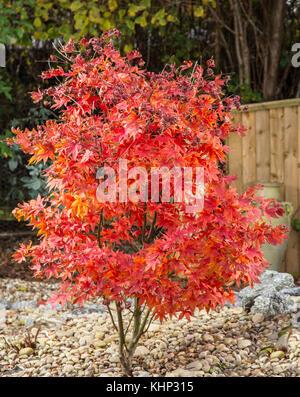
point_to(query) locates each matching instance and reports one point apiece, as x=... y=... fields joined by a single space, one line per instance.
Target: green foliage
x=21 y=181
x=44 y=19
x=5 y=88
x=296 y=224
x=247 y=94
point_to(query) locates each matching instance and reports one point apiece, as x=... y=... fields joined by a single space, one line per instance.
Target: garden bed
x=77 y=342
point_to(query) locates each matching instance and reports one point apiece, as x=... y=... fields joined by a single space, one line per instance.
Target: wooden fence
x=270 y=151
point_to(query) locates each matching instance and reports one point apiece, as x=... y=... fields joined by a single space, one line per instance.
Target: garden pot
x=274 y=254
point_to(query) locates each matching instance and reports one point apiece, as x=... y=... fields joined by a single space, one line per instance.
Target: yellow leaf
x=127 y=48
x=37 y=22
x=94 y=15
x=105 y=24
x=199 y=12
x=171 y=18
x=112 y=5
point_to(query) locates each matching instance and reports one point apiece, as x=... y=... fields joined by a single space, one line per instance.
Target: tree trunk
x=140 y=326
x=274 y=17
x=241 y=43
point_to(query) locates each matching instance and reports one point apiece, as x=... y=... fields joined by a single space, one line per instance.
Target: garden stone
x=49 y=307
x=2 y=316
x=258 y=318
x=24 y=305
x=270 y=282
x=277 y=354
x=277 y=279
x=5 y=304
x=114 y=359
x=29 y=321
x=179 y=372
x=26 y=351
x=143 y=374
x=208 y=338
x=291 y=291
x=243 y=343
x=296 y=320
x=272 y=303
x=195 y=365
x=283 y=342
x=141 y=351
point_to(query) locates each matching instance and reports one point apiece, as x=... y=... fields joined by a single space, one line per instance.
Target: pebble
x=277 y=354
x=258 y=318
x=208 y=338
x=243 y=343
x=141 y=351
x=82 y=342
x=28 y=351
x=195 y=365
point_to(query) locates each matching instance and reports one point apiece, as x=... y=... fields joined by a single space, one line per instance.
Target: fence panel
x=270 y=151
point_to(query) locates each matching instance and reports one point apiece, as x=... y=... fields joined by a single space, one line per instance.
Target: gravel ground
x=82 y=343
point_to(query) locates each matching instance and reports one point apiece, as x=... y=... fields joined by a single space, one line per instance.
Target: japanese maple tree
x=150 y=259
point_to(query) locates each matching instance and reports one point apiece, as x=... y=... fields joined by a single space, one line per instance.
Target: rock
x=270 y=281
x=141 y=351
x=296 y=320
x=243 y=343
x=278 y=369
x=112 y=349
x=154 y=328
x=258 y=318
x=238 y=359
x=114 y=359
x=100 y=344
x=4 y=304
x=207 y=338
x=2 y=316
x=68 y=368
x=282 y=343
x=28 y=351
x=295 y=299
x=272 y=303
x=291 y=291
x=109 y=339
x=277 y=354
x=99 y=335
x=247 y=372
x=195 y=365
x=210 y=347
x=143 y=374
x=218 y=323
x=24 y=305
x=179 y=372
x=205 y=366
x=29 y=321
x=222 y=348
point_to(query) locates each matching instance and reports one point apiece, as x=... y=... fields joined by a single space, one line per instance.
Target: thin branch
x=112 y=319
x=255 y=28
x=152 y=229
x=150 y=321
x=144 y=223
x=220 y=20
x=121 y=328
x=100 y=226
